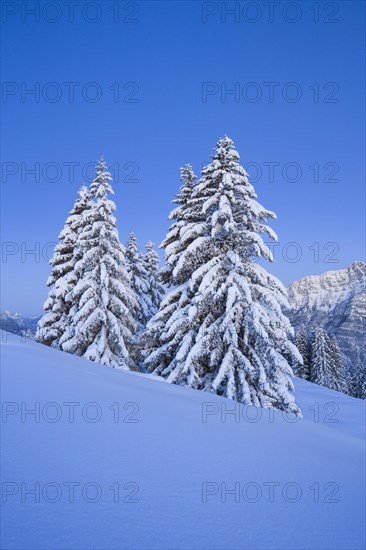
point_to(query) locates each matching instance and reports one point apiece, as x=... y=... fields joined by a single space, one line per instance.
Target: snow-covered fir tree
x=62 y=280
x=187 y=219
x=187 y=215
x=156 y=289
x=327 y=368
x=362 y=393
x=221 y=328
x=358 y=381
x=139 y=278
x=302 y=343
x=102 y=324
x=339 y=379
x=362 y=378
x=321 y=360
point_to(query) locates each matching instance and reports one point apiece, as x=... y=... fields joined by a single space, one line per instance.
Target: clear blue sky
x=169 y=53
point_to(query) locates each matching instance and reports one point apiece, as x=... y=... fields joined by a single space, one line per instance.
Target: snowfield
x=111 y=459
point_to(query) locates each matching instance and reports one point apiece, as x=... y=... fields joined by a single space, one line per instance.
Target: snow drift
x=114 y=459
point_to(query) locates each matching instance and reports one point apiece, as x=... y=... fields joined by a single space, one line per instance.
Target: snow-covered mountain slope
x=337 y=300
x=175 y=455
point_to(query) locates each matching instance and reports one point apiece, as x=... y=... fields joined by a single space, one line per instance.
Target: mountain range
x=17 y=324
x=335 y=300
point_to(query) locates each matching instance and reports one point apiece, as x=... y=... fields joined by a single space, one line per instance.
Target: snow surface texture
x=172 y=463
x=336 y=300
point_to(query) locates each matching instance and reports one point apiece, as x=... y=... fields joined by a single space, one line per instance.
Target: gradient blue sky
x=169 y=52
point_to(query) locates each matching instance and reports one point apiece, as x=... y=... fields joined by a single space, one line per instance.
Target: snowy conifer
x=139 y=278
x=187 y=221
x=102 y=324
x=358 y=381
x=186 y=216
x=321 y=360
x=327 y=367
x=221 y=328
x=362 y=394
x=339 y=380
x=302 y=343
x=156 y=289
x=54 y=322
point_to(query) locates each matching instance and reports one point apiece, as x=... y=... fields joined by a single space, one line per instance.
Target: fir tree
x=101 y=322
x=362 y=393
x=338 y=381
x=221 y=328
x=327 y=368
x=187 y=221
x=358 y=381
x=156 y=289
x=183 y=230
x=321 y=361
x=139 y=278
x=302 y=343
x=52 y=325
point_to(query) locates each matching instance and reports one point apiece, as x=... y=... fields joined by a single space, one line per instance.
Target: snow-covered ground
x=163 y=466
